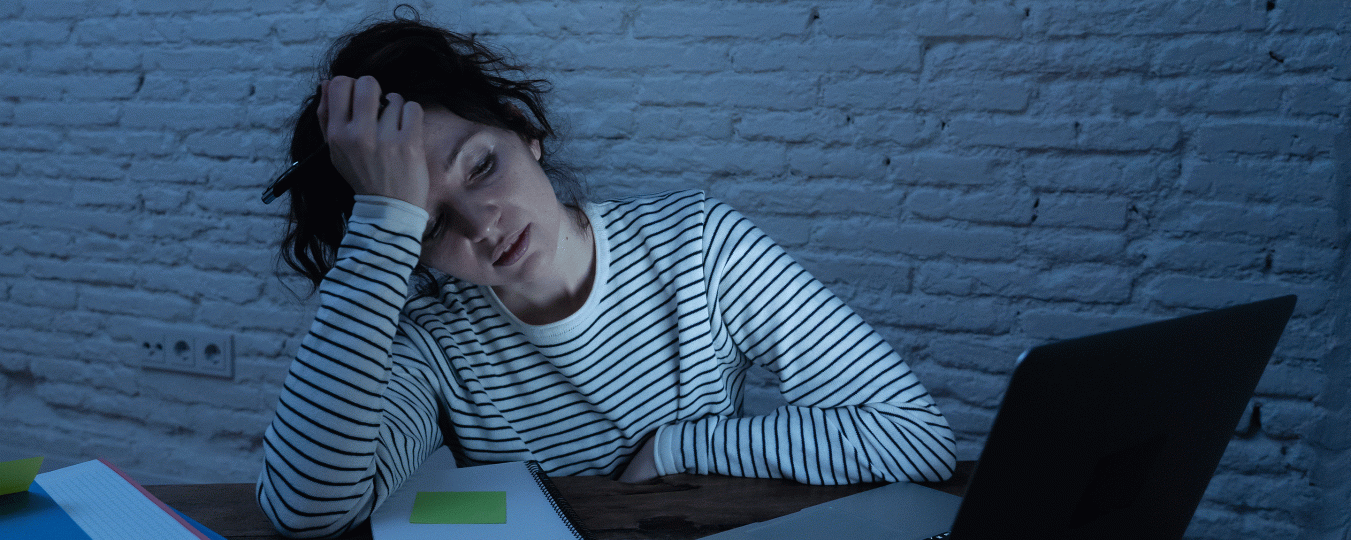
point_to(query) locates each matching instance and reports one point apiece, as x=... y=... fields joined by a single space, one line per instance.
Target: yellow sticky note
x=460 y=507
x=17 y=475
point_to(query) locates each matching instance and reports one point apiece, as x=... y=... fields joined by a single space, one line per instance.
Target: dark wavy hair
x=434 y=67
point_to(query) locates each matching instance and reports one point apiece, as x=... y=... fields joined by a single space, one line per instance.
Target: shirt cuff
x=666 y=451
x=387 y=210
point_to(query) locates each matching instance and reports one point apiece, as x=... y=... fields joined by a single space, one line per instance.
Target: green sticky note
x=17 y=475
x=460 y=507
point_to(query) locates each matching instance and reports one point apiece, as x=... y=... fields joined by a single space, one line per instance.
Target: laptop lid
x=1116 y=435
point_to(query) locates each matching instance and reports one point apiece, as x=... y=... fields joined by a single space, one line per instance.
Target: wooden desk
x=675 y=507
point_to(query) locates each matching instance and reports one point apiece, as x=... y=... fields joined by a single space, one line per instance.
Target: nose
x=478 y=219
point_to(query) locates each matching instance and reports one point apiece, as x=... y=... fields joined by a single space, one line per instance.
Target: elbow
x=298 y=520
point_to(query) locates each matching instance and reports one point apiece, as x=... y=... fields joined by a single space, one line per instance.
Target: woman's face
x=494 y=218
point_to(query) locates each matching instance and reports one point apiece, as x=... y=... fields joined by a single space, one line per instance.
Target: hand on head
x=379 y=151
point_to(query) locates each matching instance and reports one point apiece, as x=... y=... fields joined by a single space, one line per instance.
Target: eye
x=485 y=167
x=434 y=230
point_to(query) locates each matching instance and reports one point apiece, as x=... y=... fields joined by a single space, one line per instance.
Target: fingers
x=400 y=118
x=365 y=101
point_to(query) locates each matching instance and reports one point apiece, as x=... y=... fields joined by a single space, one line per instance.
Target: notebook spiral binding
x=556 y=500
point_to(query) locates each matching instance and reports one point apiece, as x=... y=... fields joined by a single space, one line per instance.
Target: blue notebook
x=92 y=500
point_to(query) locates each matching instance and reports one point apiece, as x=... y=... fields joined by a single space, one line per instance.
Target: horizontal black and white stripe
x=688 y=294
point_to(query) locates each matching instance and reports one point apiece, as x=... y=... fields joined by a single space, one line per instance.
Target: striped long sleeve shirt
x=687 y=296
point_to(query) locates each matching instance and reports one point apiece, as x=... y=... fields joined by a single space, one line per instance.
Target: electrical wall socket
x=196 y=351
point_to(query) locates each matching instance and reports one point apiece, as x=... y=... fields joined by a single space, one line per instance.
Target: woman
x=597 y=338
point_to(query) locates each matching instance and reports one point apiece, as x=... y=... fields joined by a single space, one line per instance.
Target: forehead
x=438 y=122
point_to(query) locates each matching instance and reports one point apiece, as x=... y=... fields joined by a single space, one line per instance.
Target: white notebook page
x=102 y=503
x=529 y=514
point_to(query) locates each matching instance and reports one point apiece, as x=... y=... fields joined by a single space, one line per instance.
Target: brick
x=984 y=96
x=305 y=28
x=734 y=21
x=28 y=139
x=122 y=142
x=220 y=88
x=797 y=126
x=1147 y=18
x=889 y=130
x=839 y=162
x=921 y=241
x=1214 y=293
x=1292 y=381
x=863 y=21
x=65 y=114
x=1090 y=57
x=1014 y=282
x=113 y=59
x=986 y=207
x=977 y=315
x=668 y=123
x=1193 y=255
x=104 y=31
x=983 y=390
x=967 y=353
x=31 y=87
x=552 y=20
x=966 y=19
x=99 y=272
x=946 y=170
x=1310 y=224
x=132 y=302
x=1243 y=98
x=727 y=91
x=1028 y=134
x=1289 y=419
x=195 y=59
x=1129 y=136
x=1210 y=55
x=1096 y=174
x=45 y=294
x=66 y=9
x=1087 y=211
x=870 y=91
x=216 y=29
x=33 y=32
x=1263 y=139
x=180 y=116
x=902 y=56
x=632 y=55
x=1318 y=99
x=1057 y=324
x=93 y=194
x=1079 y=246
x=817 y=198
x=58 y=59
x=966 y=419
x=1313 y=15
x=1308 y=182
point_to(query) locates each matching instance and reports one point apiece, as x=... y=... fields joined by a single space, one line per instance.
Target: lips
x=514 y=250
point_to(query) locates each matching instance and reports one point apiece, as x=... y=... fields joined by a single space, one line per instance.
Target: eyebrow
x=458 y=145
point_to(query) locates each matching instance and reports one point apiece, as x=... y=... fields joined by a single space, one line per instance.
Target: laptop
x=1114 y=435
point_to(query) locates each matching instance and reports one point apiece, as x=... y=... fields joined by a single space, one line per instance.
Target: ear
x=536 y=149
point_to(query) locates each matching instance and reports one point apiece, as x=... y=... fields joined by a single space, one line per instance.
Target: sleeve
x=855 y=413
x=357 y=412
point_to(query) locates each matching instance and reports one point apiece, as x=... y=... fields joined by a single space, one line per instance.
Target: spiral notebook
x=532 y=505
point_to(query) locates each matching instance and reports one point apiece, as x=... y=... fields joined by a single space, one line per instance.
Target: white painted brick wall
x=974 y=177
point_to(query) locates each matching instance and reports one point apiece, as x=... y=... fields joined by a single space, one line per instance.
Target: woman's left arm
x=856 y=412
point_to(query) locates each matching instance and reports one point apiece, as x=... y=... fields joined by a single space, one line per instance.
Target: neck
x=555 y=299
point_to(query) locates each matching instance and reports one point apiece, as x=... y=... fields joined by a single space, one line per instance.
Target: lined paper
x=107 y=507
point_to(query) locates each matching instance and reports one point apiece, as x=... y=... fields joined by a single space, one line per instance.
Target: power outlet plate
x=196 y=351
